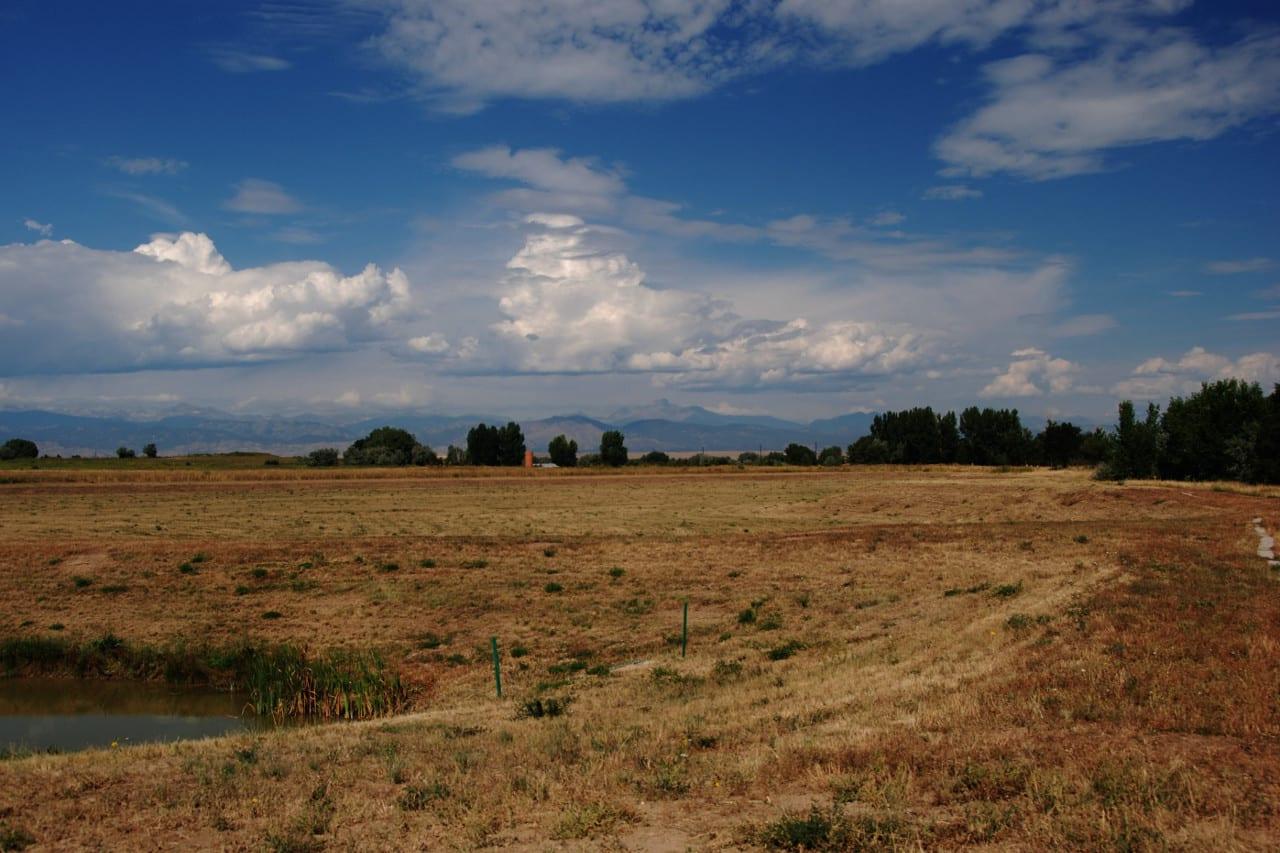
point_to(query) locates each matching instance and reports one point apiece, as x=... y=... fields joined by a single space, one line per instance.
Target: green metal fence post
x=684 y=630
x=497 y=665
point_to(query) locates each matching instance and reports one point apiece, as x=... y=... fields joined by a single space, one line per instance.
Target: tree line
x=487 y=444
x=1227 y=430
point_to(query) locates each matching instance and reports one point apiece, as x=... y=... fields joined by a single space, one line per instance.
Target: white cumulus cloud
x=1159 y=377
x=1032 y=372
x=574 y=305
x=175 y=301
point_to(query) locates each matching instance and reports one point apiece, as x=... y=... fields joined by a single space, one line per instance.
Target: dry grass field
x=880 y=658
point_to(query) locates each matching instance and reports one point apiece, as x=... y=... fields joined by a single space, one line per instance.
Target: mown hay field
x=878 y=658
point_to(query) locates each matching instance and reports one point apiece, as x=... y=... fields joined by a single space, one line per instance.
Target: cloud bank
x=176 y=302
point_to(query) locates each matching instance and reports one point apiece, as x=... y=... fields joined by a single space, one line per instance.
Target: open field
x=878 y=657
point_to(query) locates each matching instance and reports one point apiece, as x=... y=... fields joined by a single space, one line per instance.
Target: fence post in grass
x=497 y=665
x=684 y=629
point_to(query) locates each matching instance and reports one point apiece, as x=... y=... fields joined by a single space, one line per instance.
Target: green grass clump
x=830 y=830
x=475 y=564
x=968 y=590
x=617 y=572
x=114 y=589
x=537 y=709
x=1007 y=590
x=553 y=587
x=415 y=798
x=427 y=563
x=15 y=837
x=818 y=830
x=784 y=651
x=272 y=614
x=637 y=606
x=430 y=640
x=771 y=621
x=80 y=581
x=259 y=573
x=285 y=681
x=187 y=569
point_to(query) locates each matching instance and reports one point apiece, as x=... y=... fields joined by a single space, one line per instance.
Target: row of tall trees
x=921 y=436
x=1228 y=430
x=486 y=445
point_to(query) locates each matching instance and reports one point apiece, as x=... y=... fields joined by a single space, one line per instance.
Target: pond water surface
x=66 y=714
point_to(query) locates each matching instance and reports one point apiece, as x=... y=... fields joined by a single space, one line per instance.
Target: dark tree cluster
x=494 y=445
x=19 y=448
x=384 y=446
x=563 y=451
x=613 y=452
x=922 y=436
x=1228 y=430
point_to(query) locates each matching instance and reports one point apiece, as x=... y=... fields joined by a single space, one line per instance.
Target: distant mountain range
x=661 y=425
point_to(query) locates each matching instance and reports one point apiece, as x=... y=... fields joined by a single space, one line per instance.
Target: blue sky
x=798 y=207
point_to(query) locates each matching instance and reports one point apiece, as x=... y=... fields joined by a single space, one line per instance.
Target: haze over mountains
x=660 y=425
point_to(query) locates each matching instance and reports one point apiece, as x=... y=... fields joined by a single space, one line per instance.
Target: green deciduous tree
x=563 y=451
x=799 y=454
x=511 y=445
x=19 y=448
x=613 y=451
x=869 y=451
x=383 y=446
x=324 y=457
x=482 y=445
x=1060 y=444
x=1212 y=434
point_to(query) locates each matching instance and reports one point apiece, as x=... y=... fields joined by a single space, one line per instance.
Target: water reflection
x=42 y=714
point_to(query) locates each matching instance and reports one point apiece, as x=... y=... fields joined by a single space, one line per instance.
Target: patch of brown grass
x=1133 y=705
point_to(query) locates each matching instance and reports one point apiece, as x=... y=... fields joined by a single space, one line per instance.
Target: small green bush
x=537 y=709
x=1007 y=590
x=15 y=837
x=785 y=650
x=418 y=797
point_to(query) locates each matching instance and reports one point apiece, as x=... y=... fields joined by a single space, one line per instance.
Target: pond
x=67 y=714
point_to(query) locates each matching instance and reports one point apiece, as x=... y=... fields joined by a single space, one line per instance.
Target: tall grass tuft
x=283 y=681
